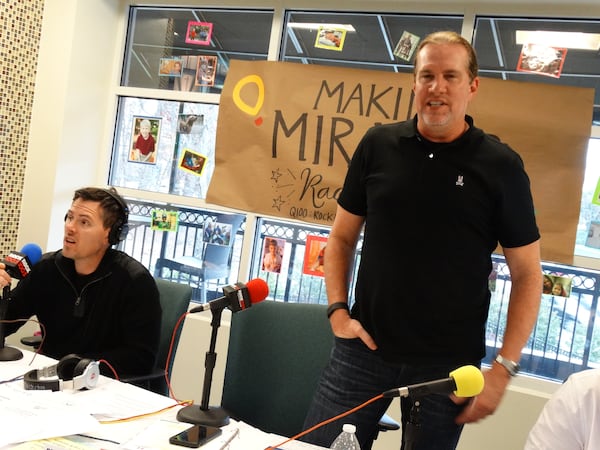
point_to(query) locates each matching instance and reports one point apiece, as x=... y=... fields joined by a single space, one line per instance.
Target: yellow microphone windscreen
x=469 y=381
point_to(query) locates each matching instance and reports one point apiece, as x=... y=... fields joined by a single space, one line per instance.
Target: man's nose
x=438 y=84
x=69 y=225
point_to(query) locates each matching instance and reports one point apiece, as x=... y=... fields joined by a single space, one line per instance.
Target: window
x=187 y=49
x=499 y=51
x=183 y=160
x=588 y=233
x=363 y=40
x=165 y=143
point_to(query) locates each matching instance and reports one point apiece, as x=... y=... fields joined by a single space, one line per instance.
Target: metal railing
x=564 y=340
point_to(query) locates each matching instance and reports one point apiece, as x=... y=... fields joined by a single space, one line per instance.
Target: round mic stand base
x=10 y=354
x=213 y=416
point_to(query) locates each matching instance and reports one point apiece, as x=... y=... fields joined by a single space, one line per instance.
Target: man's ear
x=474 y=85
x=106 y=236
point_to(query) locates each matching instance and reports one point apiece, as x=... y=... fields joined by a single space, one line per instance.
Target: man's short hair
x=450 y=37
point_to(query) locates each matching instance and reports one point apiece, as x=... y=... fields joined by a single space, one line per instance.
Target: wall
x=19 y=44
x=69 y=119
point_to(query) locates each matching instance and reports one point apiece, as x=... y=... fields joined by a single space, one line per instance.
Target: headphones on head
x=71 y=372
x=118 y=232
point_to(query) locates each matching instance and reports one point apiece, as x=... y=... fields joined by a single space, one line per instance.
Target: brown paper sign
x=286 y=133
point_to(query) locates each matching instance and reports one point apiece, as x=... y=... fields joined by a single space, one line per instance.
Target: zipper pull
x=78 y=308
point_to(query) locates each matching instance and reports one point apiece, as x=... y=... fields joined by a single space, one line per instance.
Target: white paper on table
x=31 y=417
x=116 y=400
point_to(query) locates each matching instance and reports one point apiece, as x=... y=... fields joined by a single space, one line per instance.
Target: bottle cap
x=349 y=428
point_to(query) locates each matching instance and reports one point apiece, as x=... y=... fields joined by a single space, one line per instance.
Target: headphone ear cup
x=65 y=368
x=81 y=366
x=113 y=234
x=118 y=232
x=124 y=229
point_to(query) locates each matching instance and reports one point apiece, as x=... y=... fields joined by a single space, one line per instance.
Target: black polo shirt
x=434 y=214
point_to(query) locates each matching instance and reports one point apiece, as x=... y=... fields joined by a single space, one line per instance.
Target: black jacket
x=113 y=314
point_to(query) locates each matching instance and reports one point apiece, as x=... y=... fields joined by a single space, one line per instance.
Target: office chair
x=276 y=354
x=174 y=301
x=215 y=263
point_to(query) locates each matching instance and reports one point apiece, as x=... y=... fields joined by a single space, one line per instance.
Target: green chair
x=174 y=300
x=276 y=354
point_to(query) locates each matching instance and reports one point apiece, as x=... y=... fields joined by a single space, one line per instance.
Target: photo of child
x=314 y=255
x=272 y=254
x=170 y=67
x=206 y=70
x=198 y=33
x=144 y=139
x=556 y=285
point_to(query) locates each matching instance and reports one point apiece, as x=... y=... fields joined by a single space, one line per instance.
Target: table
x=89 y=419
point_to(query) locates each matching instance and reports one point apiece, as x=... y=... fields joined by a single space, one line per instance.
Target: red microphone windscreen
x=257 y=290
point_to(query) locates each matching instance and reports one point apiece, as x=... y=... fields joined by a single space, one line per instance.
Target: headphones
x=118 y=232
x=71 y=372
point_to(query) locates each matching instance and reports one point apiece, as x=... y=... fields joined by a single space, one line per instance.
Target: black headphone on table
x=71 y=372
x=118 y=232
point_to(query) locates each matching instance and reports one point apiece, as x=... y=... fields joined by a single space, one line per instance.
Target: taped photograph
x=192 y=162
x=330 y=38
x=314 y=255
x=198 y=33
x=206 y=70
x=144 y=139
x=272 y=254
x=170 y=67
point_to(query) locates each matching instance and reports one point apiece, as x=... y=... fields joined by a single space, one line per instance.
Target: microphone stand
x=6 y=353
x=413 y=427
x=214 y=416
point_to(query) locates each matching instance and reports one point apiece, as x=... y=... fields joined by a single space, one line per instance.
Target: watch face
x=511 y=366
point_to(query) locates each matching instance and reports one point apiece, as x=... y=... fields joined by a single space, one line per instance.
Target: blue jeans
x=356 y=374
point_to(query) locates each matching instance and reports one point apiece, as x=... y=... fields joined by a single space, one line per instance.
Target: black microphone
x=17 y=265
x=466 y=381
x=237 y=297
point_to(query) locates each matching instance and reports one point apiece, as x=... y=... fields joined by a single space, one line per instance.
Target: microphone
x=466 y=381
x=237 y=297
x=17 y=265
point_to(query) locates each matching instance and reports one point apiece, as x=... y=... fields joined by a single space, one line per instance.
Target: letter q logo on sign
x=251 y=110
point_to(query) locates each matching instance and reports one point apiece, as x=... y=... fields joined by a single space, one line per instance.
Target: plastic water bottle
x=347 y=439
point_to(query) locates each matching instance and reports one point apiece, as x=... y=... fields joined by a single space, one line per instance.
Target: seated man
x=92 y=300
x=571 y=418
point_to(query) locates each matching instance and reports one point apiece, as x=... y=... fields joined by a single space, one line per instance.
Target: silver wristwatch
x=511 y=367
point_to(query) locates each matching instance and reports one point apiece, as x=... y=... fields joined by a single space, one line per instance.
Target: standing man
x=92 y=300
x=435 y=195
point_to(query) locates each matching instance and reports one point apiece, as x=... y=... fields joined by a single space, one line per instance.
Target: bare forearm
x=522 y=315
x=337 y=270
x=525 y=297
